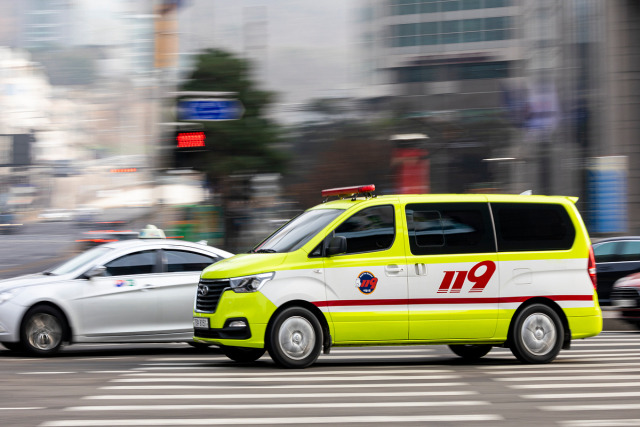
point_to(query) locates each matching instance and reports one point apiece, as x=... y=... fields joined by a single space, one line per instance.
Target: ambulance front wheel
x=295 y=338
x=537 y=334
x=471 y=351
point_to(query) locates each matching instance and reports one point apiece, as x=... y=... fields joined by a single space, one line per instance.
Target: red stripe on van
x=426 y=301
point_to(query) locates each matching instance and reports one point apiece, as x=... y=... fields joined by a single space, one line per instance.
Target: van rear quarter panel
x=560 y=276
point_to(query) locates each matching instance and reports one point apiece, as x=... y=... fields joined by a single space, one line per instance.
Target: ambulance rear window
x=532 y=227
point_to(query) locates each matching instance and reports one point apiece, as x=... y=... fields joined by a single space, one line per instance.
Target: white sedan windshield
x=85 y=258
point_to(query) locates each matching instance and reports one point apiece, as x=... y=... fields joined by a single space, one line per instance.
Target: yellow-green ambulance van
x=469 y=271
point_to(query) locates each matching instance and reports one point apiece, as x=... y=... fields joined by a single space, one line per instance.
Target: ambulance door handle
x=393 y=270
x=317 y=271
x=421 y=269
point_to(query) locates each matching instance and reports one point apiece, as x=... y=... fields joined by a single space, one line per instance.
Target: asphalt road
x=596 y=383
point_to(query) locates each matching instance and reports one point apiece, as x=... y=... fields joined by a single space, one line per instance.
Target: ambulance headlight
x=250 y=283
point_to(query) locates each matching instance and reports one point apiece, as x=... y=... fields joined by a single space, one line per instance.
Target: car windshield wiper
x=265 y=251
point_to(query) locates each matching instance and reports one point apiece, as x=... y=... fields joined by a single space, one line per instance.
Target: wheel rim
x=44 y=332
x=296 y=337
x=539 y=334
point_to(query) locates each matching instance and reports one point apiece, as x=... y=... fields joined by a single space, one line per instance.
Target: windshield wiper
x=265 y=251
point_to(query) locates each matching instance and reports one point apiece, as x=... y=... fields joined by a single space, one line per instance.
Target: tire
x=13 y=346
x=42 y=331
x=243 y=354
x=295 y=338
x=537 y=334
x=471 y=351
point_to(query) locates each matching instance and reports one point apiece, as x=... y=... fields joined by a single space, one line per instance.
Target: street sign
x=210 y=109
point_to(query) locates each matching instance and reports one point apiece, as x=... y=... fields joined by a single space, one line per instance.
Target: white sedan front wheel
x=42 y=331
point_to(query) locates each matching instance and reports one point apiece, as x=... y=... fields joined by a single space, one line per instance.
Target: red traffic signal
x=190 y=139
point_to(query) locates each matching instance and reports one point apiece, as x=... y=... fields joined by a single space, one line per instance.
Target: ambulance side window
x=532 y=227
x=371 y=229
x=449 y=228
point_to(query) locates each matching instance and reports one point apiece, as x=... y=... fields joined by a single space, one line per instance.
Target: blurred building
x=556 y=73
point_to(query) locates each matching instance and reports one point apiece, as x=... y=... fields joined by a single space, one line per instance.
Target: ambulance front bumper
x=240 y=320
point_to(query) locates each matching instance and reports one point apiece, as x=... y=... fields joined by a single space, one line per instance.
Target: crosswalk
x=597 y=384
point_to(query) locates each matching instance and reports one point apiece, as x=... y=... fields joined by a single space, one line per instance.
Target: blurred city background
x=219 y=120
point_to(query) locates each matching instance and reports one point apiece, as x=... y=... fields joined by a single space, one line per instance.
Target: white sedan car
x=140 y=290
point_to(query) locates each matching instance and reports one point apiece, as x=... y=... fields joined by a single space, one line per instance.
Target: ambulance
x=468 y=271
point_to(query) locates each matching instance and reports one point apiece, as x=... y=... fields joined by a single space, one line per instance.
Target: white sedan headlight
x=251 y=283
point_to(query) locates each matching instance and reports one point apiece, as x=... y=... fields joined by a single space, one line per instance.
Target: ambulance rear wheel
x=243 y=354
x=537 y=334
x=295 y=338
x=471 y=351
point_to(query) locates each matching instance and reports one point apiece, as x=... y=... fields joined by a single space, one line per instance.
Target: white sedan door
x=177 y=291
x=124 y=302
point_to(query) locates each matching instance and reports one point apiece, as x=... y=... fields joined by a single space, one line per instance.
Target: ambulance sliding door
x=367 y=286
x=453 y=275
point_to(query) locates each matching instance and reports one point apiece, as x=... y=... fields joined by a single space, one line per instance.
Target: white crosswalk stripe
x=212 y=390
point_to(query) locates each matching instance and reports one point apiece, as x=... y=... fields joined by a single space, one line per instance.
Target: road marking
x=46 y=373
x=607 y=407
x=358 y=419
x=305 y=373
x=614 y=350
x=258 y=379
x=568 y=385
x=556 y=365
x=581 y=395
x=280 y=386
x=565 y=370
x=244 y=406
x=607 y=344
x=245 y=396
x=600 y=423
x=570 y=378
x=26 y=408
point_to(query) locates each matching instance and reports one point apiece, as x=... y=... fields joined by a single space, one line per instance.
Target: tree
x=237 y=146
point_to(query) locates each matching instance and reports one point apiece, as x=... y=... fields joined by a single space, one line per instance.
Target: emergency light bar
x=349 y=191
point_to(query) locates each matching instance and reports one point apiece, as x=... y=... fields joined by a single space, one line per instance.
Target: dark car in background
x=625 y=299
x=616 y=257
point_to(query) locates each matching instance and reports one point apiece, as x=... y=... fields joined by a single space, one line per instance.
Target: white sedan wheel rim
x=44 y=331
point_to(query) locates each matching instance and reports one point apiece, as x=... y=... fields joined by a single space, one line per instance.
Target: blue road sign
x=210 y=109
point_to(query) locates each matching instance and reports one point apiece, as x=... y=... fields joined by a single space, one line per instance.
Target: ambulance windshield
x=294 y=234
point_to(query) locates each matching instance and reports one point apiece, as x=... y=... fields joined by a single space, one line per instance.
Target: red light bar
x=190 y=139
x=348 y=191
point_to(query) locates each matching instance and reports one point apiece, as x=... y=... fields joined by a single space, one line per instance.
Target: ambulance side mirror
x=337 y=246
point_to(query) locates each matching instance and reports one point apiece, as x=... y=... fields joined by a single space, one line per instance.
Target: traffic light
x=188 y=148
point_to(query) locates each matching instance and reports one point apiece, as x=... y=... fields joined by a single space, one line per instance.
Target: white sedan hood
x=29 y=280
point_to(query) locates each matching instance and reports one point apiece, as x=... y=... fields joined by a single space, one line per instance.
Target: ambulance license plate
x=624 y=303
x=201 y=322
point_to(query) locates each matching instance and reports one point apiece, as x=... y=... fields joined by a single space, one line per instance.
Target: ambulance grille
x=209 y=293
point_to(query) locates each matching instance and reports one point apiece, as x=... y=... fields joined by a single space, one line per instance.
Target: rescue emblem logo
x=366 y=282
